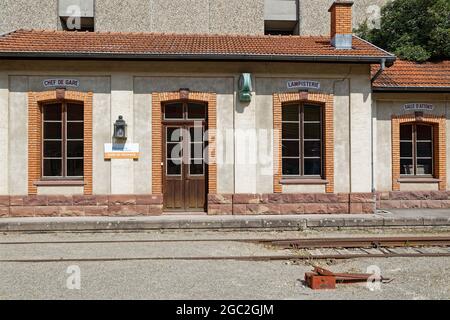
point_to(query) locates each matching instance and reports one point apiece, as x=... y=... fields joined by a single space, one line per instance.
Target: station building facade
x=102 y=123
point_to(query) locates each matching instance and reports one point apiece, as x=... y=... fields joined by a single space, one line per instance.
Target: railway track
x=300 y=249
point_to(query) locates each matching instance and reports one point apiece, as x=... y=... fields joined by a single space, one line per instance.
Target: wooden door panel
x=173 y=195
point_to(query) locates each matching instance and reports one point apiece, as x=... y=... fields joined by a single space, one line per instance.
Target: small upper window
x=78 y=24
x=77 y=15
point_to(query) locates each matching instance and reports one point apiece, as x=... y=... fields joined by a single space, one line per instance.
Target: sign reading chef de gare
x=61 y=83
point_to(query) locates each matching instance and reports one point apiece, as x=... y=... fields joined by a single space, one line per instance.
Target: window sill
x=304 y=181
x=418 y=180
x=60 y=183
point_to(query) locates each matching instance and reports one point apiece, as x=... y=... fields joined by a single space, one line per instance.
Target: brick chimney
x=341 y=24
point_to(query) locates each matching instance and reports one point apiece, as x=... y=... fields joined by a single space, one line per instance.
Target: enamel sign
x=303 y=84
x=50 y=83
x=418 y=107
x=120 y=151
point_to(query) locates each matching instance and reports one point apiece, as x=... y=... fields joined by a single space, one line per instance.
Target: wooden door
x=184 y=168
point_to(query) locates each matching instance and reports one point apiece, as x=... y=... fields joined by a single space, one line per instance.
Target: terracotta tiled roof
x=57 y=43
x=406 y=74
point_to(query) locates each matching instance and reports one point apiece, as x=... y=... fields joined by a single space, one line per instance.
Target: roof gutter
x=412 y=89
x=192 y=57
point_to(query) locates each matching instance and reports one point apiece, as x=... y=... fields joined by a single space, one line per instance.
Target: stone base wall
x=305 y=203
x=223 y=204
x=413 y=200
x=80 y=205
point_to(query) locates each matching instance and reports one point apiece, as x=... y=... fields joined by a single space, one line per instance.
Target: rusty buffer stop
x=324 y=279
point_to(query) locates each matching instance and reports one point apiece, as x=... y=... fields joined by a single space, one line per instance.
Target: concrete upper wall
x=28 y=14
x=384 y=107
x=181 y=16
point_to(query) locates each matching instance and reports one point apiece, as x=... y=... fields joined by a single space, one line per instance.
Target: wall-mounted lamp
x=120 y=129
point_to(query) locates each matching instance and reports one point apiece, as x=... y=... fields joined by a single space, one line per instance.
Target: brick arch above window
x=35 y=101
x=327 y=101
x=158 y=99
x=439 y=142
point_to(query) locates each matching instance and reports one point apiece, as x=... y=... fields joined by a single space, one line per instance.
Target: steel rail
x=235 y=258
x=294 y=242
x=368 y=242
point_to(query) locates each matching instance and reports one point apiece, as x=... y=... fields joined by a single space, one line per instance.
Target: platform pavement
x=394 y=218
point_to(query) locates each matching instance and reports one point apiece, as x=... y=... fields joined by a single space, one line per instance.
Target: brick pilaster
x=157 y=100
x=439 y=145
x=323 y=99
x=35 y=100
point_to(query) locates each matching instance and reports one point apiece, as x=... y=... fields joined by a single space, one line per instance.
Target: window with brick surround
x=63 y=141
x=302 y=140
x=416 y=149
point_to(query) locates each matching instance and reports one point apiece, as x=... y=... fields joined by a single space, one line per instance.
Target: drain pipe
x=375 y=77
x=380 y=71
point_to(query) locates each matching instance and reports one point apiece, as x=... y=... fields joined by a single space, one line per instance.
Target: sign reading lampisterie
x=49 y=83
x=418 y=107
x=303 y=84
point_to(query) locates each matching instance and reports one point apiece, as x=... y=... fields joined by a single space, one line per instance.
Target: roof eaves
x=410 y=89
x=371 y=44
x=190 y=56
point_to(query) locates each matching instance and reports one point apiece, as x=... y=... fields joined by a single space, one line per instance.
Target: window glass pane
x=174 y=167
x=75 y=112
x=312 y=113
x=197 y=150
x=196 y=169
x=312 y=131
x=52 y=149
x=196 y=111
x=75 y=149
x=424 y=149
x=52 y=112
x=424 y=166
x=312 y=148
x=174 y=111
x=174 y=134
x=424 y=132
x=406 y=149
x=52 y=130
x=312 y=167
x=290 y=113
x=196 y=134
x=291 y=131
x=406 y=166
x=406 y=132
x=75 y=167
x=75 y=130
x=174 y=150
x=291 y=148
x=52 y=167
x=291 y=167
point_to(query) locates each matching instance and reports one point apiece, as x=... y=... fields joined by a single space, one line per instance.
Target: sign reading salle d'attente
x=303 y=84
x=418 y=107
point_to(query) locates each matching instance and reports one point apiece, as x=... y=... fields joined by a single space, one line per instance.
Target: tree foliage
x=416 y=30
